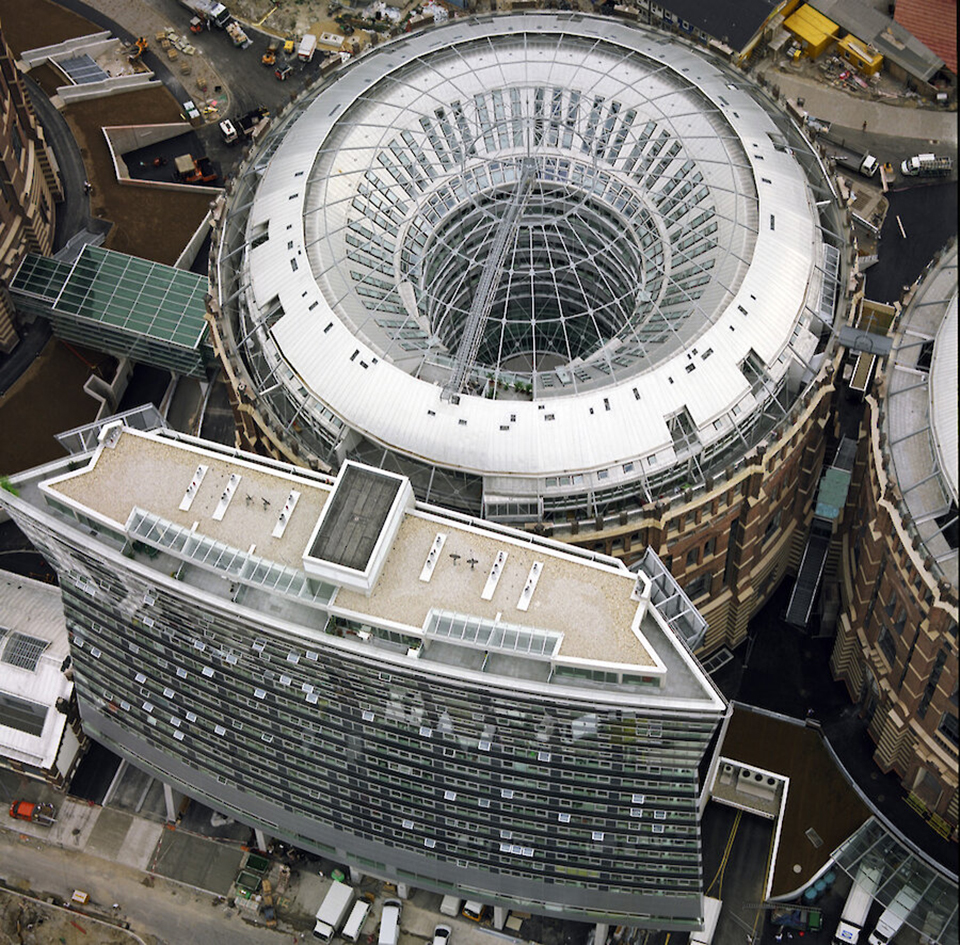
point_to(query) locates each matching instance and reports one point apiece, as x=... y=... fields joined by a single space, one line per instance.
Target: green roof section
x=136 y=295
x=41 y=276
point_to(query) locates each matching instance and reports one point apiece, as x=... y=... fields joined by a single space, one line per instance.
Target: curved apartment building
x=560 y=272
x=896 y=646
x=429 y=698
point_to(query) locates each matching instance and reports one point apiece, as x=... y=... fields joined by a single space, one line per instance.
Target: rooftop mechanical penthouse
x=423 y=696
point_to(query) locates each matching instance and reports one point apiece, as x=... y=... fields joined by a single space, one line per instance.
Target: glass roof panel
x=159 y=302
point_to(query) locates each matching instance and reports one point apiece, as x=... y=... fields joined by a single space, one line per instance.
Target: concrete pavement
x=173 y=884
x=850 y=111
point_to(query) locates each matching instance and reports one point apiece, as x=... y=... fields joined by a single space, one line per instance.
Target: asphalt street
x=928 y=214
x=73 y=212
x=736 y=848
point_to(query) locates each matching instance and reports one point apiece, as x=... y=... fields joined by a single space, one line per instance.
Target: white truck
x=894 y=916
x=857 y=905
x=451 y=905
x=333 y=910
x=926 y=165
x=354 y=924
x=865 y=164
x=308 y=46
x=390 y=922
x=209 y=12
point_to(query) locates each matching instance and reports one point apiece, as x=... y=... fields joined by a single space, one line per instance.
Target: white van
x=451 y=905
x=354 y=925
x=390 y=922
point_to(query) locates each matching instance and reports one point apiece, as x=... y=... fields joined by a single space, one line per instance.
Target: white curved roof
x=345 y=363
x=943 y=396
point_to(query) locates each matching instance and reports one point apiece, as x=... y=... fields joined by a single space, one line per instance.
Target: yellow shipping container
x=813 y=30
x=863 y=57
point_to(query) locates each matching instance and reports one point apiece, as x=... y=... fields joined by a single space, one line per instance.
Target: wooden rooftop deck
x=819 y=795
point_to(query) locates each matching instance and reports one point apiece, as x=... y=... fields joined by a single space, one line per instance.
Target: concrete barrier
x=91 y=44
x=189 y=254
x=111 y=86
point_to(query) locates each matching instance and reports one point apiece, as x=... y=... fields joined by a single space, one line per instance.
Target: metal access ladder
x=490 y=277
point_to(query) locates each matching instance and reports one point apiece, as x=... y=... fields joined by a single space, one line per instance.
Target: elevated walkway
x=831 y=498
x=811 y=571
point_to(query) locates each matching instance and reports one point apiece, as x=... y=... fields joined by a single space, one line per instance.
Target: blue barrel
x=810 y=894
x=830 y=878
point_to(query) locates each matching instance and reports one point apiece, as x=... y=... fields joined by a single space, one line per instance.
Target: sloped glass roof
x=935 y=895
x=126 y=292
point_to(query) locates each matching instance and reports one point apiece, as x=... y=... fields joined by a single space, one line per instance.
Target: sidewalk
x=850 y=111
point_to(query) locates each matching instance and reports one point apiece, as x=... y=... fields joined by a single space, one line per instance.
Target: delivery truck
x=865 y=164
x=333 y=910
x=926 y=165
x=354 y=924
x=208 y=12
x=894 y=916
x=857 y=905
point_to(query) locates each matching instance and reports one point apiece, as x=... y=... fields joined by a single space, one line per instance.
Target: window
x=887 y=646
x=698 y=587
x=709 y=547
x=948 y=729
x=773 y=526
x=693 y=556
x=17 y=142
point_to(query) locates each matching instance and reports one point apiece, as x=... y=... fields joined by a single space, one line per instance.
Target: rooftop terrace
x=216 y=500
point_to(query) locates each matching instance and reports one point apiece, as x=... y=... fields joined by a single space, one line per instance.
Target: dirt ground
x=30 y=416
x=149 y=223
x=25 y=922
x=40 y=23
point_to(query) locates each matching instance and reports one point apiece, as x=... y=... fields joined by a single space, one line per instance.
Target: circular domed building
x=558 y=270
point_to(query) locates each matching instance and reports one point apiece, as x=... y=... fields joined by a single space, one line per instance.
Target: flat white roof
x=33 y=646
x=327 y=346
x=462 y=585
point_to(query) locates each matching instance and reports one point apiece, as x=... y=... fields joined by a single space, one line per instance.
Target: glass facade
x=554 y=798
x=122 y=304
